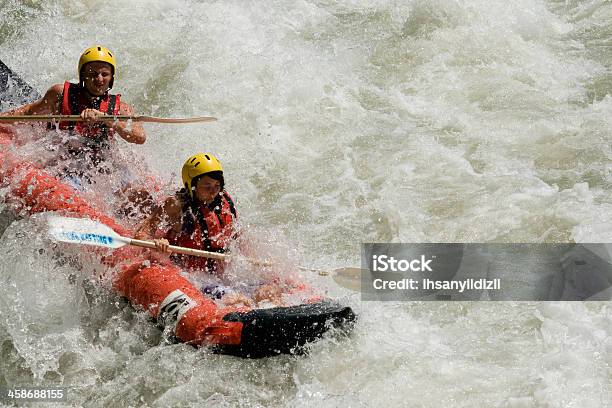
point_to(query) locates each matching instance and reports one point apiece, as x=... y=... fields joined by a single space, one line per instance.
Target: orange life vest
x=75 y=101
x=207 y=227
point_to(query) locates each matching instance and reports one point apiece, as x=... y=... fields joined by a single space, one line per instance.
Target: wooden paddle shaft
x=321 y=272
x=181 y=250
x=78 y=118
x=197 y=252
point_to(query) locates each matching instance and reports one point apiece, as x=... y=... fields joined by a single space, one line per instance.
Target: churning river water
x=340 y=122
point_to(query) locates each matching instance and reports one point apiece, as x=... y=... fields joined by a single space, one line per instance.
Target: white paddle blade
x=84 y=231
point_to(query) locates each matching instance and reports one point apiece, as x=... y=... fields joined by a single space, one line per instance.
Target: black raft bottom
x=286 y=330
x=13 y=90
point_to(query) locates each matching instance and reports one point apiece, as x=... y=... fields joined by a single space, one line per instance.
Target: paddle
x=89 y=232
x=78 y=118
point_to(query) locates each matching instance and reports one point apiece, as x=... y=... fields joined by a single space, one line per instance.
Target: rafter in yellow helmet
x=197 y=165
x=97 y=53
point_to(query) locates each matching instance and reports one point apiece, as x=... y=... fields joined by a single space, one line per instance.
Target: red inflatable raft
x=159 y=288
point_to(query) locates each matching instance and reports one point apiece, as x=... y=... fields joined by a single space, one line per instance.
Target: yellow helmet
x=198 y=165
x=100 y=54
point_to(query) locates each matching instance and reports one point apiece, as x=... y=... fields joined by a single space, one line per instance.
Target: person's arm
x=47 y=105
x=169 y=214
x=131 y=134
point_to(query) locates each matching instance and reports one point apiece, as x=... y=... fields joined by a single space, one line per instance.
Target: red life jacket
x=75 y=101
x=207 y=227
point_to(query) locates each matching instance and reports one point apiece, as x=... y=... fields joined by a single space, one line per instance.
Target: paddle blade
x=349 y=278
x=84 y=231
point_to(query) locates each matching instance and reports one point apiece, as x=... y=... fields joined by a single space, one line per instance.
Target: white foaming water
x=341 y=123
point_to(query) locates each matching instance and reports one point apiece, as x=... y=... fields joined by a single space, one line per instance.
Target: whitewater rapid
x=339 y=123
